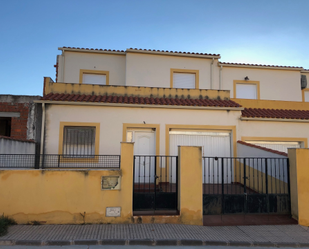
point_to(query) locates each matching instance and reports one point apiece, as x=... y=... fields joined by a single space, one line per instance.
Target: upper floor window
x=79 y=139
x=184 y=78
x=247 y=89
x=94 y=77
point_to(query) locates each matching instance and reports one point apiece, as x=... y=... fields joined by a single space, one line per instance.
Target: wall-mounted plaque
x=110 y=182
x=113 y=211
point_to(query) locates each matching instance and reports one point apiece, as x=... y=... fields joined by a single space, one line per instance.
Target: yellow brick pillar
x=190 y=184
x=126 y=166
x=299 y=182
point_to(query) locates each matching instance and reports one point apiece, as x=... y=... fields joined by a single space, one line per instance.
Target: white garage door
x=214 y=143
x=280 y=146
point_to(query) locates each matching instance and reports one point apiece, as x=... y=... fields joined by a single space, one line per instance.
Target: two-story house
x=162 y=99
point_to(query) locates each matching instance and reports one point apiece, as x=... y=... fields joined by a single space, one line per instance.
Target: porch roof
x=275 y=113
x=124 y=99
x=263 y=148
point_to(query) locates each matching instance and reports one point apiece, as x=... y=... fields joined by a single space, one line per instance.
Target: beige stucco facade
x=70 y=64
x=113 y=121
x=275 y=84
x=274 y=131
x=155 y=70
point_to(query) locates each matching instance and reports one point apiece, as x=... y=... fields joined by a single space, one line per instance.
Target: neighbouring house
x=162 y=99
x=20 y=124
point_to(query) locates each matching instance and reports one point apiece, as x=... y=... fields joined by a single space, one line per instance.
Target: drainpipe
x=220 y=78
x=211 y=66
x=42 y=134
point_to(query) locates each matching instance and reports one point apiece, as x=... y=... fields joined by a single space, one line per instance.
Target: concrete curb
x=148 y=242
x=86 y=242
x=114 y=242
x=142 y=242
x=57 y=242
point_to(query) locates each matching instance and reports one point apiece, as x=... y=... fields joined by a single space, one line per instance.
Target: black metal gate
x=155 y=187
x=246 y=185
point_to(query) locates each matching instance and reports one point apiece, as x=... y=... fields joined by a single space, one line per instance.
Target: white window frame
x=81 y=144
x=82 y=72
x=184 y=71
x=247 y=83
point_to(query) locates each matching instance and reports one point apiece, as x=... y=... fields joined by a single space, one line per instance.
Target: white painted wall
x=267 y=129
x=247 y=151
x=74 y=61
x=154 y=70
x=276 y=168
x=274 y=84
x=9 y=146
x=111 y=121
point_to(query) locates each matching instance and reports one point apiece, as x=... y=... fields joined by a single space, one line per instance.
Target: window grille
x=79 y=141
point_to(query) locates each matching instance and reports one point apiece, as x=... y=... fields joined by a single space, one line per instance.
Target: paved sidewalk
x=157 y=234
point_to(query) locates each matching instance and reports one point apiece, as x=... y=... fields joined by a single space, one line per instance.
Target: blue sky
x=245 y=31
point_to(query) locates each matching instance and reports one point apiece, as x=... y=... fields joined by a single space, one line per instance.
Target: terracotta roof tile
x=139 y=100
x=140 y=49
x=176 y=52
x=275 y=113
x=257 y=65
x=263 y=148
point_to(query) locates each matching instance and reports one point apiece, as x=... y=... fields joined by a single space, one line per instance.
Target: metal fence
x=155 y=183
x=58 y=161
x=19 y=160
x=246 y=185
x=234 y=175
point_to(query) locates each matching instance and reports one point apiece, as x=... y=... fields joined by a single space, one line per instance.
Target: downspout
x=63 y=65
x=220 y=78
x=42 y=136
x=211 y=66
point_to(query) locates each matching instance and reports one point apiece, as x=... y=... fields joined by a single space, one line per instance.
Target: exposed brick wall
x=18 y=125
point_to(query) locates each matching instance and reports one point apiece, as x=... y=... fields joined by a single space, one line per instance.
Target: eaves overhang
x=141 y=105
x=259 y=66
x=275 y=120
x=92 y=50
x=174 y=53
x=143 y=51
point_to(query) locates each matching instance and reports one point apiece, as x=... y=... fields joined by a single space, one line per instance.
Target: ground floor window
x=79 y=140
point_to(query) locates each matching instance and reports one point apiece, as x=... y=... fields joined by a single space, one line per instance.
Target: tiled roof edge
x=136 y=49
x=263 y=148
x=259 y=65
x=275 y=113
x=140 y=100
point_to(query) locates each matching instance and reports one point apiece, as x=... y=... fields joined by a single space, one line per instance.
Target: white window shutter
x=246 y=91
x=99 y=79
x=184 y=80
